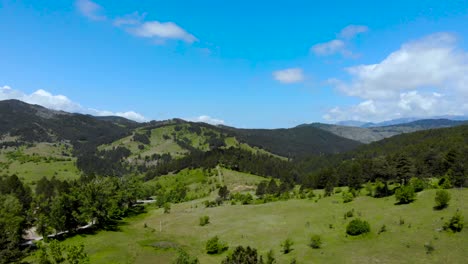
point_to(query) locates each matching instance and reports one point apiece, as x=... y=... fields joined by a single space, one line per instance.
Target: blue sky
x=242 y=63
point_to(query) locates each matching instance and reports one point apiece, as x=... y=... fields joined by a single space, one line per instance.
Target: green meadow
x=153 y=237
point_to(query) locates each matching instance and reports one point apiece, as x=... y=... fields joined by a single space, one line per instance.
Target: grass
x=42 y=159
x=265 y=226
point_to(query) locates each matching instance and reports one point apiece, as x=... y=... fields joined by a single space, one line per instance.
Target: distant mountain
x=34 y=123
x=372 y=134
x=294 y=142
x=398 y=121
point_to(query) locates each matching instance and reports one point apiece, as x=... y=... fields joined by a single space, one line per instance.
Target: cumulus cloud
x=423 y=78
x=90 y=9
x=351 y=31
x=62 y=103
x=136 y=25
x=207 y=119
x=338 y=45
x=161 y=31
x=291 y=75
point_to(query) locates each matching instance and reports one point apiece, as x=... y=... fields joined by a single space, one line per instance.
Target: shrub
x=270 y=257
x=357 y=227
x=455 y=224
x=405 y=194
x=167 y=208
x=445 y=182
x=417 y=184
x=429 y=247
x=442 y=199
x=204 y=220
x=214 y=246
x=347 y=197
x=350 y=213
x=383 y=228
x=185 y=258
x=246 y=255
x=315 y=241
x=287 y=246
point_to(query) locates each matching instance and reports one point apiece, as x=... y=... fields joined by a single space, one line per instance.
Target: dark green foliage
x=455 y=224
x=405 y=194
x=418 y=184
x=242 y=255
x=347 y=197
x=357 y=227
x=442 y=199
x=184 y=258
x=261 y=189
x=142 y=138
x=12 y=224
x=315 y=241
x=383 y=228
x=349 y=214
x=204 y=220
x=295 y=142
x=287 y=246
x=223 y=192
x=381 y=190
x=55 y=252
x=270 y=257
x=215 y=246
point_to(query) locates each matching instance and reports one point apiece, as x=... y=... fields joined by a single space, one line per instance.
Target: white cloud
x=351 y=31
x=291 y=75
x=131 y=19
x=329 y=48
x=62 y=103
x=161 y=31
x=338 y=45
x=90 y=9
x=134 y=24
x=207 y=119
x=423 y=78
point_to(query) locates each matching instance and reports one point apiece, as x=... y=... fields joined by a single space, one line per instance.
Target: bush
x=214 y=246
x=357 y=227
x=405 y=194
x=204 y=220
x=417 y=184
x=167 y=208
x=429 y=247
x=442 y=199
x=246 y=255
x=347 y=197
x=315 y=241
x=287 y=246
x=455 y=224
x=348 y=214
x=383 y=228
x=184 y=258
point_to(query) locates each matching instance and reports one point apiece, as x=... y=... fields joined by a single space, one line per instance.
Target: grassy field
x=265 y=226
x=39 y=160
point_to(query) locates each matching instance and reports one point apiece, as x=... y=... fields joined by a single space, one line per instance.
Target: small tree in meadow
x=455 y=224
x=357 y=227
x=315 y=241
x=405 y=194
x=204 y=220
x=442 y=199
x=287 y=246
x=215 y=246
